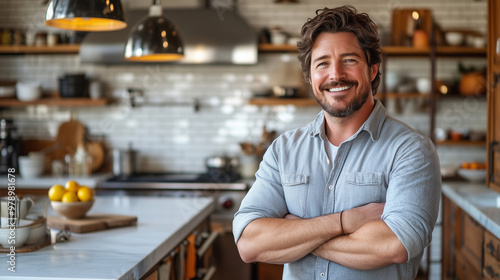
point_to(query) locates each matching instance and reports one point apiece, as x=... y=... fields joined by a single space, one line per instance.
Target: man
x=354 y=194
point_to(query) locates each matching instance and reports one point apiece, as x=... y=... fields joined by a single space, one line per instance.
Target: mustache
x=342 y=82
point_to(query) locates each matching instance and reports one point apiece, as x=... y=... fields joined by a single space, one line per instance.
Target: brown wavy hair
x=341 y=19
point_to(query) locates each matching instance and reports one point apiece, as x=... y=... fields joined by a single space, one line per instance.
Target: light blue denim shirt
x=384 y=161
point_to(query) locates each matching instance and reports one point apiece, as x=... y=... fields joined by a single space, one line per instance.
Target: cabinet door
x=494 y=94
x=470 y=249
x=449 y=238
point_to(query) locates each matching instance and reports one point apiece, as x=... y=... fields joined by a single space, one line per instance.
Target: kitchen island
x=120 y=253
x=470 y=231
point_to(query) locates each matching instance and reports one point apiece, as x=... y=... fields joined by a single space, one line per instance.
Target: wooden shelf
x=57 y=49
x=269 y=101
x=54 y=101
x=462 y=143
x=395 y=50
x=407 y=95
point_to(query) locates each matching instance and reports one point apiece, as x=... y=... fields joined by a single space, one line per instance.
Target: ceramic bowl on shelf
x=454 y=38
x=28 y=91
x=72 y=210
x=473 y=175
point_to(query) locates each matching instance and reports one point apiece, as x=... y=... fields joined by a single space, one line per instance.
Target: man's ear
x=374 y=71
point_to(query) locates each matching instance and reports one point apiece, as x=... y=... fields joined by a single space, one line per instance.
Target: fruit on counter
x=69 y=197
x=56 y=192
x=72 y=186
x=473 y=165
x=85 y=193
x=72 y=192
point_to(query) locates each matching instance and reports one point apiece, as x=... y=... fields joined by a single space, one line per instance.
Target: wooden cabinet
x=493 y=88
x=469 y=251
x=269 y=271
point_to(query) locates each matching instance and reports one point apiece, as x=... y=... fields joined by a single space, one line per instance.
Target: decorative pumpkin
x=473 y=83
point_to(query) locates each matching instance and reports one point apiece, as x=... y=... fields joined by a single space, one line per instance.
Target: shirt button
x=331 y=187
x=322 y=274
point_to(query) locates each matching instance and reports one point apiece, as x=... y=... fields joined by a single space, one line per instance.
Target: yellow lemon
x=56 y=192
x=69 y=197
x=85 y=193
x=72 y=186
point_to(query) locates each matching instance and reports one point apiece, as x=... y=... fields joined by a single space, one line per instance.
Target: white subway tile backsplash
x=178 y=138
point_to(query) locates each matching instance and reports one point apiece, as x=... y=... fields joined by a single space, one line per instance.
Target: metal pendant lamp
x=85 y=15
x=154 y=39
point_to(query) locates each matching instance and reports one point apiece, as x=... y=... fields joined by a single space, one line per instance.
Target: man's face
x=340 y=76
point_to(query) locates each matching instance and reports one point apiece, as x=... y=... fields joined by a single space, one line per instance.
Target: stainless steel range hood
x=210 y=37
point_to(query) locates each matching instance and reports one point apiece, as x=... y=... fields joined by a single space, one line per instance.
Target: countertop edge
x=141 y=268
x=463 y=194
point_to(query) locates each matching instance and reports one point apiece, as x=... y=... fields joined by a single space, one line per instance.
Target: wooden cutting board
x=91 y=222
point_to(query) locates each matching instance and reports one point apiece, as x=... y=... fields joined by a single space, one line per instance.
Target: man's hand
x=354 y=218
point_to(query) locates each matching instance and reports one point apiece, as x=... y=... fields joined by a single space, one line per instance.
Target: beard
x=347 y=110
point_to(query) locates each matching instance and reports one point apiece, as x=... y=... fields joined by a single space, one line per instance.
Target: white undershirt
x=331 y=150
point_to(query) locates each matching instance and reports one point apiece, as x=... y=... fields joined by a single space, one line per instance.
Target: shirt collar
x=372 y=125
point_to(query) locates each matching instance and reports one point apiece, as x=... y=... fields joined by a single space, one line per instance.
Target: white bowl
x=473 y=175
x=454 y=38
x=423 y=85
x=15 y=236
x=31 y=167
x=28 y=91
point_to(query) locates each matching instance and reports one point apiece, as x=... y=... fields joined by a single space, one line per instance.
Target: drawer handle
x=490 y=271
x=204 y=247
x=490 y=247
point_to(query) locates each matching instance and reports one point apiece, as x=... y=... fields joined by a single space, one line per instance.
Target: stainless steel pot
x=124 y=162
x=222 y=163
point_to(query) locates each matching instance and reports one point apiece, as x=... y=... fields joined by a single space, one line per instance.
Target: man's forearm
x=372 y=246
x=275 y=240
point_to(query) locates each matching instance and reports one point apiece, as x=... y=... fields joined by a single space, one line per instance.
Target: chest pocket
x=362 y=188
x=295 y=189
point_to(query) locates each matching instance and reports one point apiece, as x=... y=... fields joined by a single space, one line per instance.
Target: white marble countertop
x=479 y=201
x=45 y=182
x=120 y=253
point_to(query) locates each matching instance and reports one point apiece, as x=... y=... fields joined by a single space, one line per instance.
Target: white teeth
x=339 y=88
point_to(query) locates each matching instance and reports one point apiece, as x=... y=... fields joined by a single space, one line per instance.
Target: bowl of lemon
x=72 y=200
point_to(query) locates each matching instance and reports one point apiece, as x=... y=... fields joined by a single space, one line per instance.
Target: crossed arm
x=368 y=243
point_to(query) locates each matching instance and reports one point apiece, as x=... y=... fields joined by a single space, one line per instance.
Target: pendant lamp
x=154 y=39
x=85 y=15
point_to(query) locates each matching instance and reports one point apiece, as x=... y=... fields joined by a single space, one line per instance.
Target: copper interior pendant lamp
x=154 y=39
x=85 y=15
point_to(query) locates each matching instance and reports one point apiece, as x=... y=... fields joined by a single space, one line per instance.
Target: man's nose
x=336 y=72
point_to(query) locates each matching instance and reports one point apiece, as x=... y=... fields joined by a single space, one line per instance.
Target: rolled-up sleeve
x=265 y=198
x=413 y=195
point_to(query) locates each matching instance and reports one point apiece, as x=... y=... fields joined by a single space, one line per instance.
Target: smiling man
x=354 y=194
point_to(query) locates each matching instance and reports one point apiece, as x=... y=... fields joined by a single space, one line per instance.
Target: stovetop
x=216 y=180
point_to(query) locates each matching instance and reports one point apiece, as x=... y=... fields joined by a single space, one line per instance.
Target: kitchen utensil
x=96 y=151
x=70 y=133
x=91 y=222
x=124 y=162
x=24 y=207
x=222 y=163
x=20 y=236
x=73 y=85
x=9 y=146
x=72 y=210
x=7 y=89
x=28 y=91
x=31 y=166
x=454 y=38
x=38 y=231
x=285 y=91
x=473 y=175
